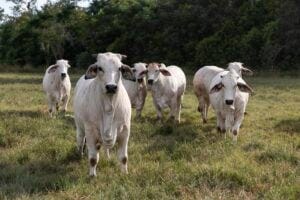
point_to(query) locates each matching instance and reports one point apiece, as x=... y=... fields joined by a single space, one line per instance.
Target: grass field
x=38 y=158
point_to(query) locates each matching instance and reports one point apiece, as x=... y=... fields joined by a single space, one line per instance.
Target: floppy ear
x=125 y=69
x=216 y=88
x=165 y=72
x=91 y=72
x=143 y=72
x=246 y=71
x=52 y=68
x=245 y=88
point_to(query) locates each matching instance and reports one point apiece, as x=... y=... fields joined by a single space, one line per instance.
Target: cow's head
x=140 y=71
x=108 y=69
x=239 y=68
x=60 y=68
x=154 y=70
x=228 y=83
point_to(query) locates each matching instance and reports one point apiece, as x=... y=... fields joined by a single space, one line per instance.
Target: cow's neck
x=158 y=85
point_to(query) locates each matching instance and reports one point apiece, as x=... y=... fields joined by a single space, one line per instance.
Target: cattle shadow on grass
x=34 y=114
x=20 y=81
x=170 y=138
x=34 y=177
x=21 y=113
x=290 y=126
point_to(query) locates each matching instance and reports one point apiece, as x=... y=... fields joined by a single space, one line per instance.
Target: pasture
x=38 y=157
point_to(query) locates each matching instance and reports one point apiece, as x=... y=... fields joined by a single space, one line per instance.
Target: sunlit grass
x=38 y=158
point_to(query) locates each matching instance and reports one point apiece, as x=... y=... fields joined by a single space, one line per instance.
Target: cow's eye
x=100 y=69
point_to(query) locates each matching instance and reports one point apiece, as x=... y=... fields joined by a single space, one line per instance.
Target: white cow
x=136 y=88
x=229 y=95
x=57 y=85
x=102 y=109
x=202 y=80
x=201 y=83
x=167 y=86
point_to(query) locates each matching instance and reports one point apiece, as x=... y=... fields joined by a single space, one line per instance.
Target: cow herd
x=104 y=96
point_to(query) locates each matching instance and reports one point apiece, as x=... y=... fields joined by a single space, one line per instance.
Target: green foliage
x=262 y=34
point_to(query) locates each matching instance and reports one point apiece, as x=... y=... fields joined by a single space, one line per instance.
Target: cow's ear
x=246 y=71
x=165 y=72
x=245 y=88
x=127 y=71
x=52 y=68
x=91 y=72
x=216 y=88
x=143 y=72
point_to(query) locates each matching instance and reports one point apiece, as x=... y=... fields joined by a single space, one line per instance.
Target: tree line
x=263 y=34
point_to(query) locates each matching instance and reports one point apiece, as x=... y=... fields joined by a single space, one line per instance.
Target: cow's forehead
x=153 y=66
x=140 y=66
x=236 y=64
x=109 y=61
x=230 y=78
x=62 y=63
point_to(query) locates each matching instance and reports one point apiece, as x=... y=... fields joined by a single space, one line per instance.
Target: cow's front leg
x=236 y=126
x=158 y=112
x=229 y=120
x=123 y=137
x=65 y=101
x=93 y=147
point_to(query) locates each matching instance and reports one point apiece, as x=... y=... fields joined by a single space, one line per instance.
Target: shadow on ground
x=175 y=139
x=34 y=177
x=22 y=113
x=34 y=114
x=291 y=126
x=20 y=81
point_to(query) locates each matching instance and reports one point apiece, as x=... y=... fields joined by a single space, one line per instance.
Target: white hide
x=201 y=83
x=101 y=116
x=137 y=89
x=230 y=87
x=56 y=87
x=202 y=80
x=167 y=89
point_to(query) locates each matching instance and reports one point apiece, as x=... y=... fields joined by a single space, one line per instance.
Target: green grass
x=38 y=158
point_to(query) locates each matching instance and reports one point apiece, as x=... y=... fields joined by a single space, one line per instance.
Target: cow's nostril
x=150 y=81
x=229 y=102
x=111 y=88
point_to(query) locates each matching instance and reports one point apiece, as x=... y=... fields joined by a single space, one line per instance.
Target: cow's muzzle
x=229 y=102
x=150 y=81
x=63 y=76
x=111 y=89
